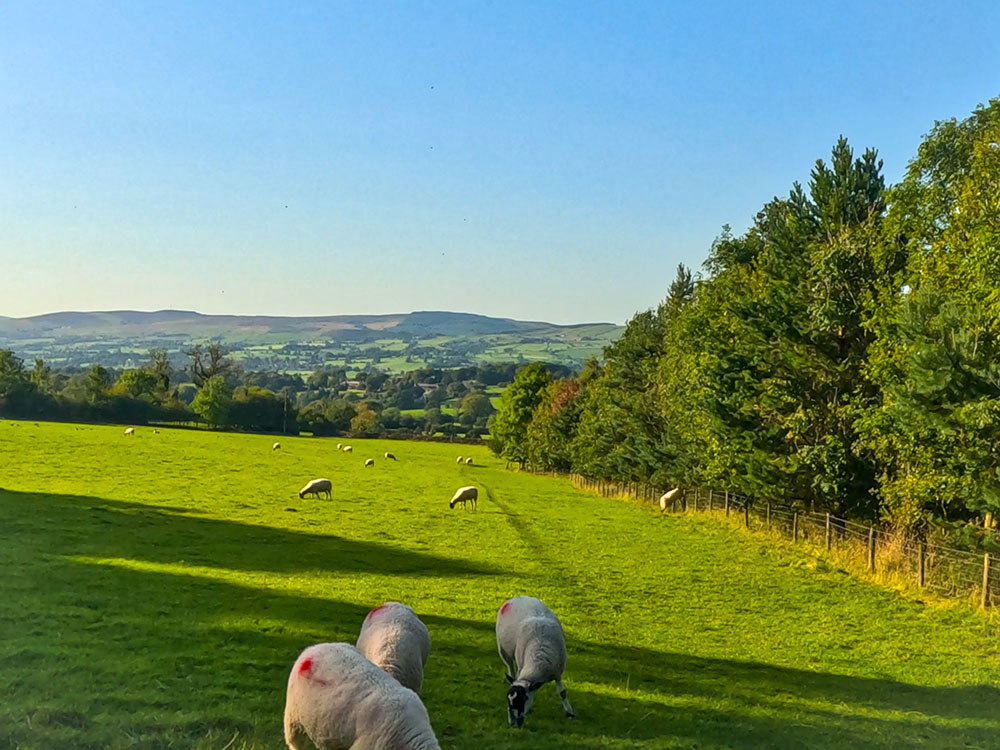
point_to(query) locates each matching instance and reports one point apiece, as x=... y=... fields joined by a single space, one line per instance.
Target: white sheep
x=129 y=431
x=465 y=495
x=276 y=446
x=348 y=449
x=533 y=649
x=339 y=700
x=395 y=640
x=339 y=446
x=369 y=462
x=468 y=461
x=389 y=457
x=156 y=432
x=317 y=486
x=666 y=496
x=458 y=460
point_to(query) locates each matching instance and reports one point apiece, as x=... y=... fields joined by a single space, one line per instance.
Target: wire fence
x=885 y=553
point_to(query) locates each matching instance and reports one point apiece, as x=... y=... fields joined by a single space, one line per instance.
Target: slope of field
x=155 y=591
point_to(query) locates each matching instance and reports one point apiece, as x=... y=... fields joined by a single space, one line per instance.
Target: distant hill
x=390 y=342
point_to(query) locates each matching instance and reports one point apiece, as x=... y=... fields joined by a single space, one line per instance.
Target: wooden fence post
x=768 y=514
x=871 y=548
x=795 y=526
x=921 y=562
x=711 y=500
x=828 y=535
x=746 y=512
x=684 y=500
x=984 y=602
x=727 y=503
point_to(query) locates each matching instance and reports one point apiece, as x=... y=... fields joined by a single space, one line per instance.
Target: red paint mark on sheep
x=505 y=607
x=305 y=666
x=377 y=609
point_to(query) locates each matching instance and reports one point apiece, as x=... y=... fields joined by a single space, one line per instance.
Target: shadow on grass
x=161 y=659
x=97 y=527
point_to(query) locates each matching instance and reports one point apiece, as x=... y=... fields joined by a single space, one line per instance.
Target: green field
x=155 y=591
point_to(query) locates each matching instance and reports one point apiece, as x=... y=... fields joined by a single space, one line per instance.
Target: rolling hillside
x=391 y=342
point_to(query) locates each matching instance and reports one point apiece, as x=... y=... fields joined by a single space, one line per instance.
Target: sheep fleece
x=394 y=639
x=530 y=635
x=341 y=701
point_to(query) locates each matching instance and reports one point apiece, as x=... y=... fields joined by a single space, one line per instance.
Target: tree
x=259 y=409
x=509 y=430
x=42 y=377
x=208 y=363
x=365 y=422
x=477 y=406
x=98 y=384
x=159 y=367
x=136 y=384
x=214 y=401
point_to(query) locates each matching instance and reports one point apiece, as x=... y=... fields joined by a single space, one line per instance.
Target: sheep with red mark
x=317 y=487
x=465 y=495
x=338 y=700
x=533 y=649
x=394 y=639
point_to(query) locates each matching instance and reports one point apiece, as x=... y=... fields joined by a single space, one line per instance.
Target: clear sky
x=537 y=160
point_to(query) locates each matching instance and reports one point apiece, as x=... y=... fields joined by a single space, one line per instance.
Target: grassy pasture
x=156 y=590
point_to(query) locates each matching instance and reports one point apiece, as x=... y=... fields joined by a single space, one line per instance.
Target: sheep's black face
x=519 y=700
x=452 y=504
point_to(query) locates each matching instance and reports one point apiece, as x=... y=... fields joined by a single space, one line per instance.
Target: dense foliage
x=843 y=352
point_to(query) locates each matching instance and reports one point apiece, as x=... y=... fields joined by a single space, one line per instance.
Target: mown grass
x=156 y=590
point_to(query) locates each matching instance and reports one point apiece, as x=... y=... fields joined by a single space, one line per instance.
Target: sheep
x=317 y=486
x=468 y=461
x=339 y=700
x=395 y=640
x=348 y=449
x=464 y=495
x=389 y=457
x=156 y=432
x=129 y=431
x=276 y=446
x=340 y=446
x=369 y=462
x=666 y=497
x=533 y=649
x=458 y=460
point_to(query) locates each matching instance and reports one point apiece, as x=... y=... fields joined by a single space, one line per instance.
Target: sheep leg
x=565 y=701
x=508 y=662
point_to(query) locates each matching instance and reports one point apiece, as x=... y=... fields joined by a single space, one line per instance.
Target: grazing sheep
x=369 y=462
x=156 y=432
x=339 y=700
x=129 y=431
x=533 y=649
x=339 y=446
x=348 y=449
x=395 y=640
x=276 y=446
x=317 y=486
x=468 y=461
x=458 y=460
x=665 y=498
x=464 y=495
x=389 y=457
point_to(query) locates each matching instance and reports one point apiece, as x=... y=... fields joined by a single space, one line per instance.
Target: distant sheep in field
x=468 y=461
x=369 y=462
x=340 y=446
x=317 y=486
x=465 y=495
x=276 y=446
x=458 y=460
x=666 y=497
x=389 y=457
x=533 y=649
x=338 y=700
x=348 y=449
x=395 y=640
x=129 y=431
x=156 y=432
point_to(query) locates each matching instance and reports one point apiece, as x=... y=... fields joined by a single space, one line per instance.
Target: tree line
x=843 y=351
x=212 y=389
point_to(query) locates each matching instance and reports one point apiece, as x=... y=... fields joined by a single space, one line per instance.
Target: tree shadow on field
x=86 y=526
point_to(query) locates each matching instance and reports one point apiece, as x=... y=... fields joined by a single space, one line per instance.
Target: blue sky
x=545 y=160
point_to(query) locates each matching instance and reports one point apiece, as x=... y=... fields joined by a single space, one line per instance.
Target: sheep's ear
x=509 y=678
x=534 y=686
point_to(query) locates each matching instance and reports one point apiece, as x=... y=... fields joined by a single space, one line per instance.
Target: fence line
x=888 y=554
